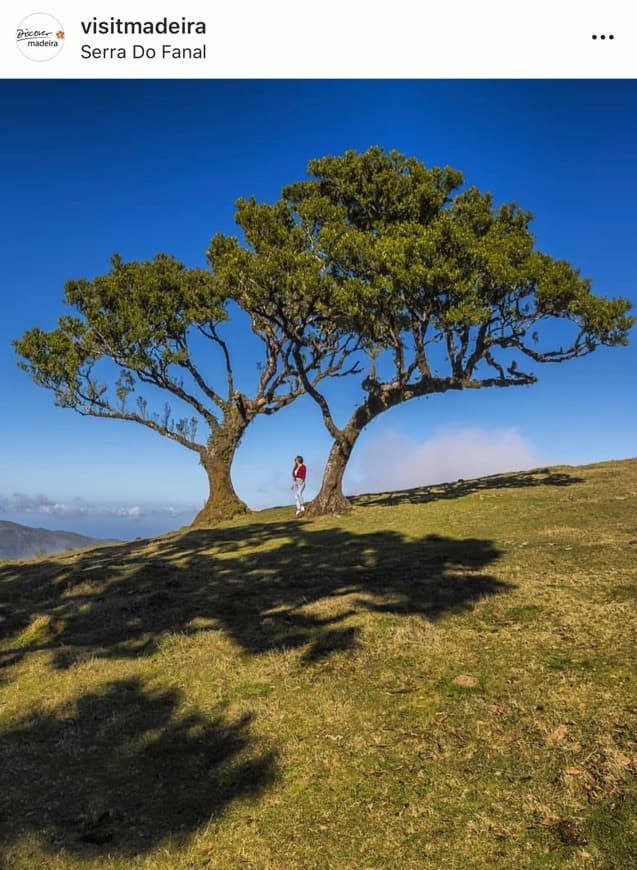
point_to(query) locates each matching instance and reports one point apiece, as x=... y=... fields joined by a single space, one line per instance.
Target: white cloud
x=42 y=504
x=392 y=461
x=79 y=508
x=132 y=513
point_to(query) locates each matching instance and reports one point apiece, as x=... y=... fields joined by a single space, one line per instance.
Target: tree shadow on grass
x=459 y=488
x=266 y=585
x=121 y=771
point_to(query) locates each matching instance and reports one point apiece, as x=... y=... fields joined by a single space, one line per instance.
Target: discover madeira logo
x=40 y=36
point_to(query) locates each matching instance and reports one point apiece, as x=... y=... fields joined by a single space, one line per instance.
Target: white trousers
x=298 y=486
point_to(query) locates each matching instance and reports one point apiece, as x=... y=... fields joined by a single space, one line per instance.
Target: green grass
x=442 y=679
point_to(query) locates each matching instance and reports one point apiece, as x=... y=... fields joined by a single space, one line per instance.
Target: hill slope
x=24 y=542
x=442 y=679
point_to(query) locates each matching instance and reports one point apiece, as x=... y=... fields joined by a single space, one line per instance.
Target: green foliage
x=139 y=312
x=55 y=359
x=279 y=276
x=417 y=262
x=380 y=252
x=138 y=315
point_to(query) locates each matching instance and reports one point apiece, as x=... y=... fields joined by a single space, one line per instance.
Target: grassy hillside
x=441 y=679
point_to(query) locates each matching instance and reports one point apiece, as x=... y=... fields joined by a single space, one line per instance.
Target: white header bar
x=330 y=39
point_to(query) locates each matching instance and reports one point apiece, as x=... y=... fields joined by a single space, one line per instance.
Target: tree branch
x=162 y=380
x=318 y=397
x=89 y=407
x=226 y=354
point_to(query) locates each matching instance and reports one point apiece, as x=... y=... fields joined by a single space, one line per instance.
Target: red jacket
x=299 y=472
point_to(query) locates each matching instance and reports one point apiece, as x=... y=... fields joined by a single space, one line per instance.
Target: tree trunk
x=223 y=502
x=330 y=499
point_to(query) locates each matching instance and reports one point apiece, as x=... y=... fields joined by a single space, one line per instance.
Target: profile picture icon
x=40 y=36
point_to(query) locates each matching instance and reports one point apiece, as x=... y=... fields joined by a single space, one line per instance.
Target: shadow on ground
x=120 y=771
x=459 y=488
x=256 y=582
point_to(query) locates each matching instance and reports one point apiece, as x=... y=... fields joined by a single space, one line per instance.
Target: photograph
x=318 y=472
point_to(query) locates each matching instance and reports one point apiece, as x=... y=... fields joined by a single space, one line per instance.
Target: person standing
x=299 y=473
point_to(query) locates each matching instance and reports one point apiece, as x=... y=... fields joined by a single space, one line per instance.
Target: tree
x=142 y=325
x=443 y=289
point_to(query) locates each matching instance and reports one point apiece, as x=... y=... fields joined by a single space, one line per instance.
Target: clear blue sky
x=93 y=167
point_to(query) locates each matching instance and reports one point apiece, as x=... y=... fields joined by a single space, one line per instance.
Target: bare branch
x=226 y=355
x=162 y=380
x=190 y=367
x=99 y=408
x=318 y=397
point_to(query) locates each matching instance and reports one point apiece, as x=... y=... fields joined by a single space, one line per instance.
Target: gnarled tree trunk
x=223 y=503
x=330 y=499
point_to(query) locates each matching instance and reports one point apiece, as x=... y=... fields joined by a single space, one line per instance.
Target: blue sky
x=138 y=167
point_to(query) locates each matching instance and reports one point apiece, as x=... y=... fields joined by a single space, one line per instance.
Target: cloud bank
x=392 y=461
x=78 y=508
